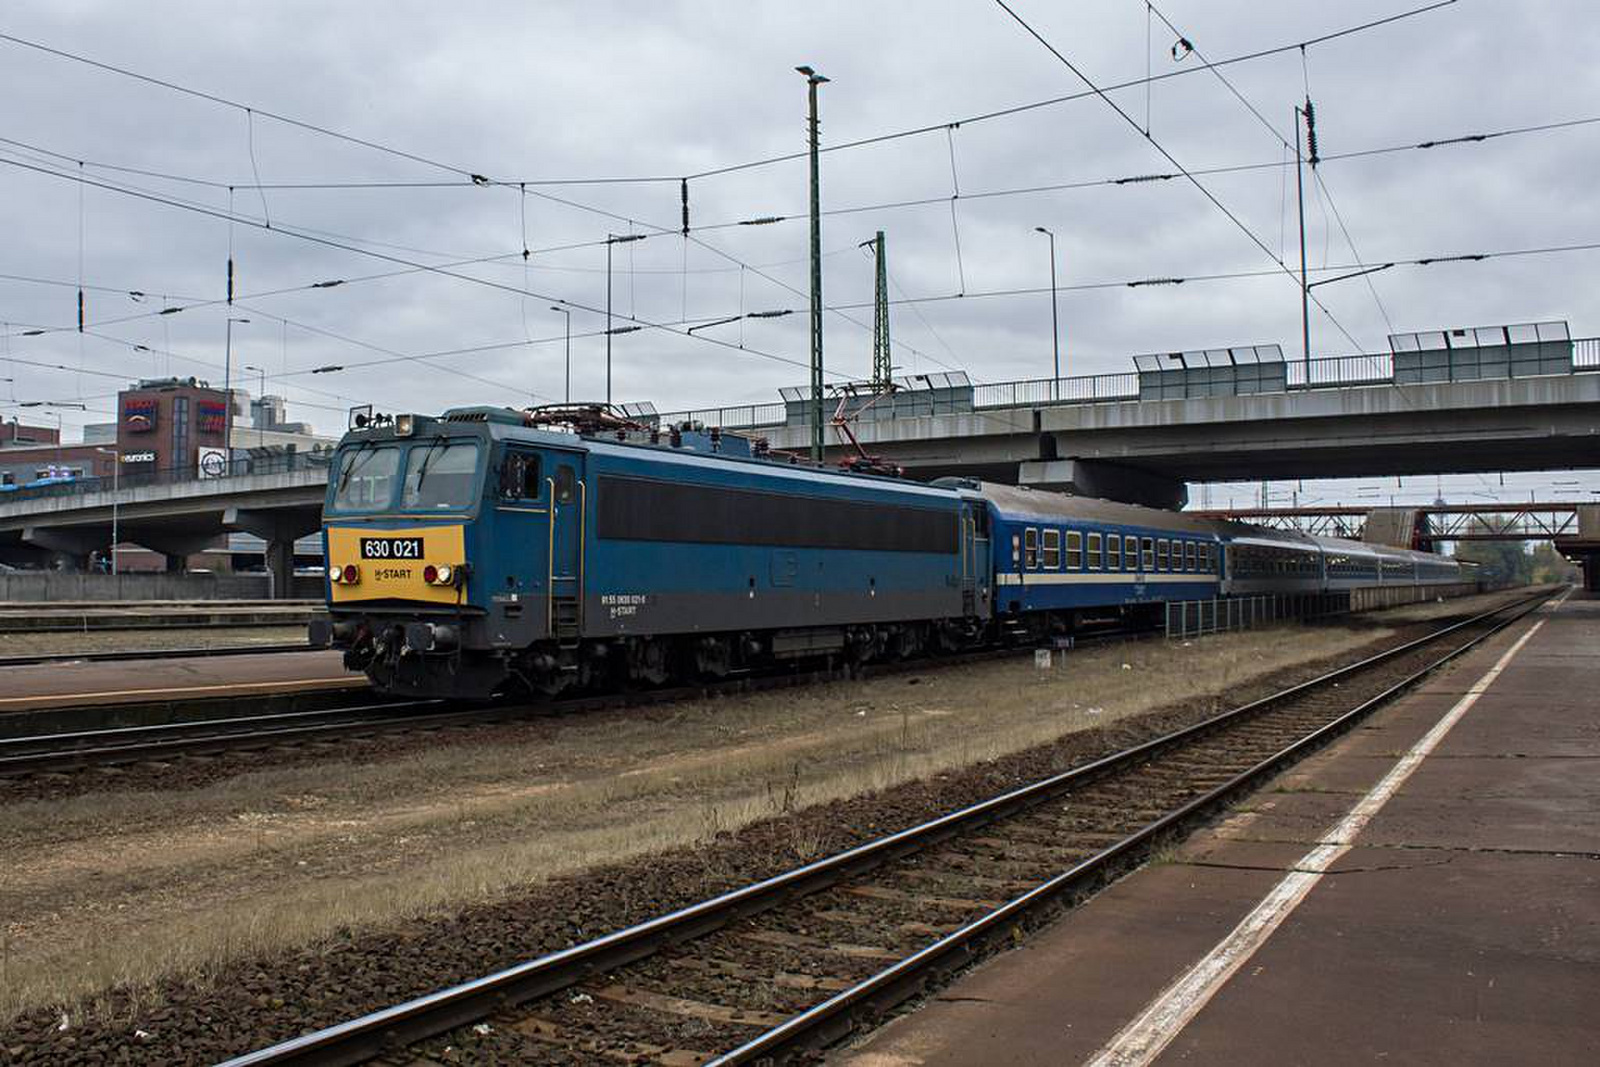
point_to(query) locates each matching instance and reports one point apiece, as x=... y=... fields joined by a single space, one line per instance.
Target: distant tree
x=1551 y=566
x=1500 y=561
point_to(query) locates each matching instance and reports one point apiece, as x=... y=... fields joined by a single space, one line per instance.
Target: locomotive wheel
x=648 y=661
x=713 y=658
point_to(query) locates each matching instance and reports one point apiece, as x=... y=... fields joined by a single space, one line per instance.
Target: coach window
x=519 y=476
x=1074 y=550
x=1148 y=554
x=1052 y=550
x=1188 y=555
x=1162 y=550
x=1030 y=548
x=1094 y=552
x=1114 y=551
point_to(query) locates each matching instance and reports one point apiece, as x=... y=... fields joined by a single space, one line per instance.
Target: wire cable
x=1170 y=158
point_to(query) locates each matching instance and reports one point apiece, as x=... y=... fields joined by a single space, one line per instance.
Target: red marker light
x=350 y=574
x=430 y=574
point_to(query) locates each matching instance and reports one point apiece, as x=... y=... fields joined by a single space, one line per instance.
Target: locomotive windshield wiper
x=351 y=467
x=422 y=468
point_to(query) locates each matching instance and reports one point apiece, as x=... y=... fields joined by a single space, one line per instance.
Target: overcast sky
x=533 y=93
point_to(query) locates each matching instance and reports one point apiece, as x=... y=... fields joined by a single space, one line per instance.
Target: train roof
x=1019 y=501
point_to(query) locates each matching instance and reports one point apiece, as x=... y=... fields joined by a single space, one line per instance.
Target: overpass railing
x=1372 y=369
x=277 y=463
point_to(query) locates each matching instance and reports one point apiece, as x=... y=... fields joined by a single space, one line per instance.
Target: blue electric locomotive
x=490 y=550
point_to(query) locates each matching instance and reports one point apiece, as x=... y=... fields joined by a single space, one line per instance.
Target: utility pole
x=813 y=79
x=882 y=358
x=1055 y=320
x=116 y=500
x=612 y=239
x=567 y=394
x=227 y=387
x=1305 y=290
x=261 y=429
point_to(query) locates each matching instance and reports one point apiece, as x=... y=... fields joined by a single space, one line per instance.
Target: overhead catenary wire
x=1325 y=194
x=1170 y=158
x=444 y=272
x=493 y=258
x=469 y=176
x=1426 y=261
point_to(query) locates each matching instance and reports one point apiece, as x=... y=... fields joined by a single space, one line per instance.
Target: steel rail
x=39 y=753
x=391 y=1028
x=113 y=656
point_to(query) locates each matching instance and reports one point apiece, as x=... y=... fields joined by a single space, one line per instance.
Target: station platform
x=163 y=678
x=1425 y=890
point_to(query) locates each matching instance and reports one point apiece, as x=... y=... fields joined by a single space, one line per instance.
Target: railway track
x=122 y=655
x=63 y=752
x=797 y=961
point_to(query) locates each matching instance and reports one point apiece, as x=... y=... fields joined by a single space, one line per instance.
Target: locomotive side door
x=568 y=527
x=975 y=560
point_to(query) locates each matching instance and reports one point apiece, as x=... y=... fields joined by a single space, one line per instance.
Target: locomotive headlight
x=446 y=573
x=404 y=425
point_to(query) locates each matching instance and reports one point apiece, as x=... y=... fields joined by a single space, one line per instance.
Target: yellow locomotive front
x=397 y=523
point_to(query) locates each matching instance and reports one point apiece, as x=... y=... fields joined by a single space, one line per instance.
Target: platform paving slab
x=1463 y=927
x=171 y=678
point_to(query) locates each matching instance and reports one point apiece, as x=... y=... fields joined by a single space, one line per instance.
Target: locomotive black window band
x=639 y=509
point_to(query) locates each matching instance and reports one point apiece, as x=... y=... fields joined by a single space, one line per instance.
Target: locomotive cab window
x=1114 y=551
x=1147 y=557
x=1052 y=550
x=441 y=475
x=1030 y=548
x=364 y=478
x=519 y=476
x=1094 y=552
x=1074 y=550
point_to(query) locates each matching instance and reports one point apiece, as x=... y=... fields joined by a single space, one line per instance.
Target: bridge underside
x=176 y=521
x=1145 y=451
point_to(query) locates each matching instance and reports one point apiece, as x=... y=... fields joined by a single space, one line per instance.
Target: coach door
x=568 y=508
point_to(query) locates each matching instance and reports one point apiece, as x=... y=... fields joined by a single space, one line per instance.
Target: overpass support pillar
x=70 y=546
x=280 y=529
x=1108 y=481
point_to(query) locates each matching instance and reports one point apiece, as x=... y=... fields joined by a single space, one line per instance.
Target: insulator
x=1311 y=132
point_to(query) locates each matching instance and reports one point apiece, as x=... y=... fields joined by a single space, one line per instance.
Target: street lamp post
x=116 y=501
x=613 y=239
x=227 y=386
x=1055 y=321
x=567 y=394
x=261 y=431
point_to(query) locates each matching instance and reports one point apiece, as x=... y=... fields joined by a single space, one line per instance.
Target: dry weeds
x=115 y=888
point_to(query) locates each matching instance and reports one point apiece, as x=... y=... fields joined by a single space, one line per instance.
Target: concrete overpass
x=1145 y=450
x=1103 y=436
x=174 y=513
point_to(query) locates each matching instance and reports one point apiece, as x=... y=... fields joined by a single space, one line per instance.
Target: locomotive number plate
x=391 y=548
